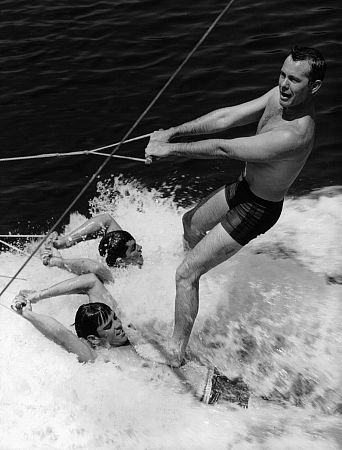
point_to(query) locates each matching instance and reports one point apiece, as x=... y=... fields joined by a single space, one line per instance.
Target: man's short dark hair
x=114 y=245
x=90 y=316
x=315 y=59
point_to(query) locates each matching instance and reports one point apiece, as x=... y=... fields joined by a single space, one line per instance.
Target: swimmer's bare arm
x=218 y=120
x=55 y=331
x=92 y=228
x=277 y=144
x=87 y=284
x=81 y=266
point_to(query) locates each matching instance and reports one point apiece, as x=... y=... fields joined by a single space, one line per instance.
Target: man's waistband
x=245 y=186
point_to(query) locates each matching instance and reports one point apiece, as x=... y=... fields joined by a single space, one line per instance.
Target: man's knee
x=186 y=219
x=192 y=234
x=186 y=274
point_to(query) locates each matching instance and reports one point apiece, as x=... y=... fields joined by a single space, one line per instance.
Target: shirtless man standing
x=239 y=212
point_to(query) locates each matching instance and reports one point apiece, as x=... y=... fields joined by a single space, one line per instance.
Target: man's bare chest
x=271 y=119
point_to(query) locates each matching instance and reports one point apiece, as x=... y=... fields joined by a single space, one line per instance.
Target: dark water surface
x=77 y=76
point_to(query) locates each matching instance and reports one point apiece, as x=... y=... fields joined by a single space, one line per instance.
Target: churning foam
x=271 y=314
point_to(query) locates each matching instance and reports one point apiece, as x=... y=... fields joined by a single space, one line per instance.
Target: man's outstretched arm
x=218 y=120
x=87 y=284
x=270 y=146
x=81 y=266
x=56 y=332
x=92 y=228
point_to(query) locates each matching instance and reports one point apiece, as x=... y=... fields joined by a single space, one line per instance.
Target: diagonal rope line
x=116 y=148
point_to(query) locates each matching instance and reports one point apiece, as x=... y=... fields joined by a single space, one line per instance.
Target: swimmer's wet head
x=99 y=325
x=120 y=248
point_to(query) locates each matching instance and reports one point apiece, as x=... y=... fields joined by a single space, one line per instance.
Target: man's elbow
x=83 y=352
x=88 y=280
x=104 y=220
x=223 y=149
x=103 y=273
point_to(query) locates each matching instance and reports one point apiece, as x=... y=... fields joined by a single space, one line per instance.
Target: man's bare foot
x=162 y=354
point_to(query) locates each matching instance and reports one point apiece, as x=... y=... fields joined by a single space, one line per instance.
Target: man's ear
x=315 y=85
x=93 y=340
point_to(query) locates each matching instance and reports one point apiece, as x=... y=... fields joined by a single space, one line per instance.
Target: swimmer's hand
x=48 y=255
x=55 y=241
x=59 y=241
x=28 y=296
x=46 y=250
x=20 y=305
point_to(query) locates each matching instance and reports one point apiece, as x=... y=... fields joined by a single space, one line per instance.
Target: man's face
x=112 y=332
x=294 y=83
x=133 y=253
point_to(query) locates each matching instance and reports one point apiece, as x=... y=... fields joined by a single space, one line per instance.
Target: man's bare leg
x=203 y=217
x=216 y=247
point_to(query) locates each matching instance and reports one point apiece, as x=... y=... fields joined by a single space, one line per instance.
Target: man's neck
x=296 y=112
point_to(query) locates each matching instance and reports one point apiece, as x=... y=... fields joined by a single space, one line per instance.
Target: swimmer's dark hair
x=315 y=59
x=90 y=316
x=114 y=245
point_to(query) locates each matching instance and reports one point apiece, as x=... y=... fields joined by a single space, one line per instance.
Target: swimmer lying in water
x=117 y=246
x=96 y=322
x=97 y=325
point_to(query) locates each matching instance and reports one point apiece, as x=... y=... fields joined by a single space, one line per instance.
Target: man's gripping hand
x=28 y=296
x=57 y=241
x=157 y=146
x=21 y=304
x=162 y=135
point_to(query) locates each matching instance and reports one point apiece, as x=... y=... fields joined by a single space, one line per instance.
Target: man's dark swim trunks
x=248 y=215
